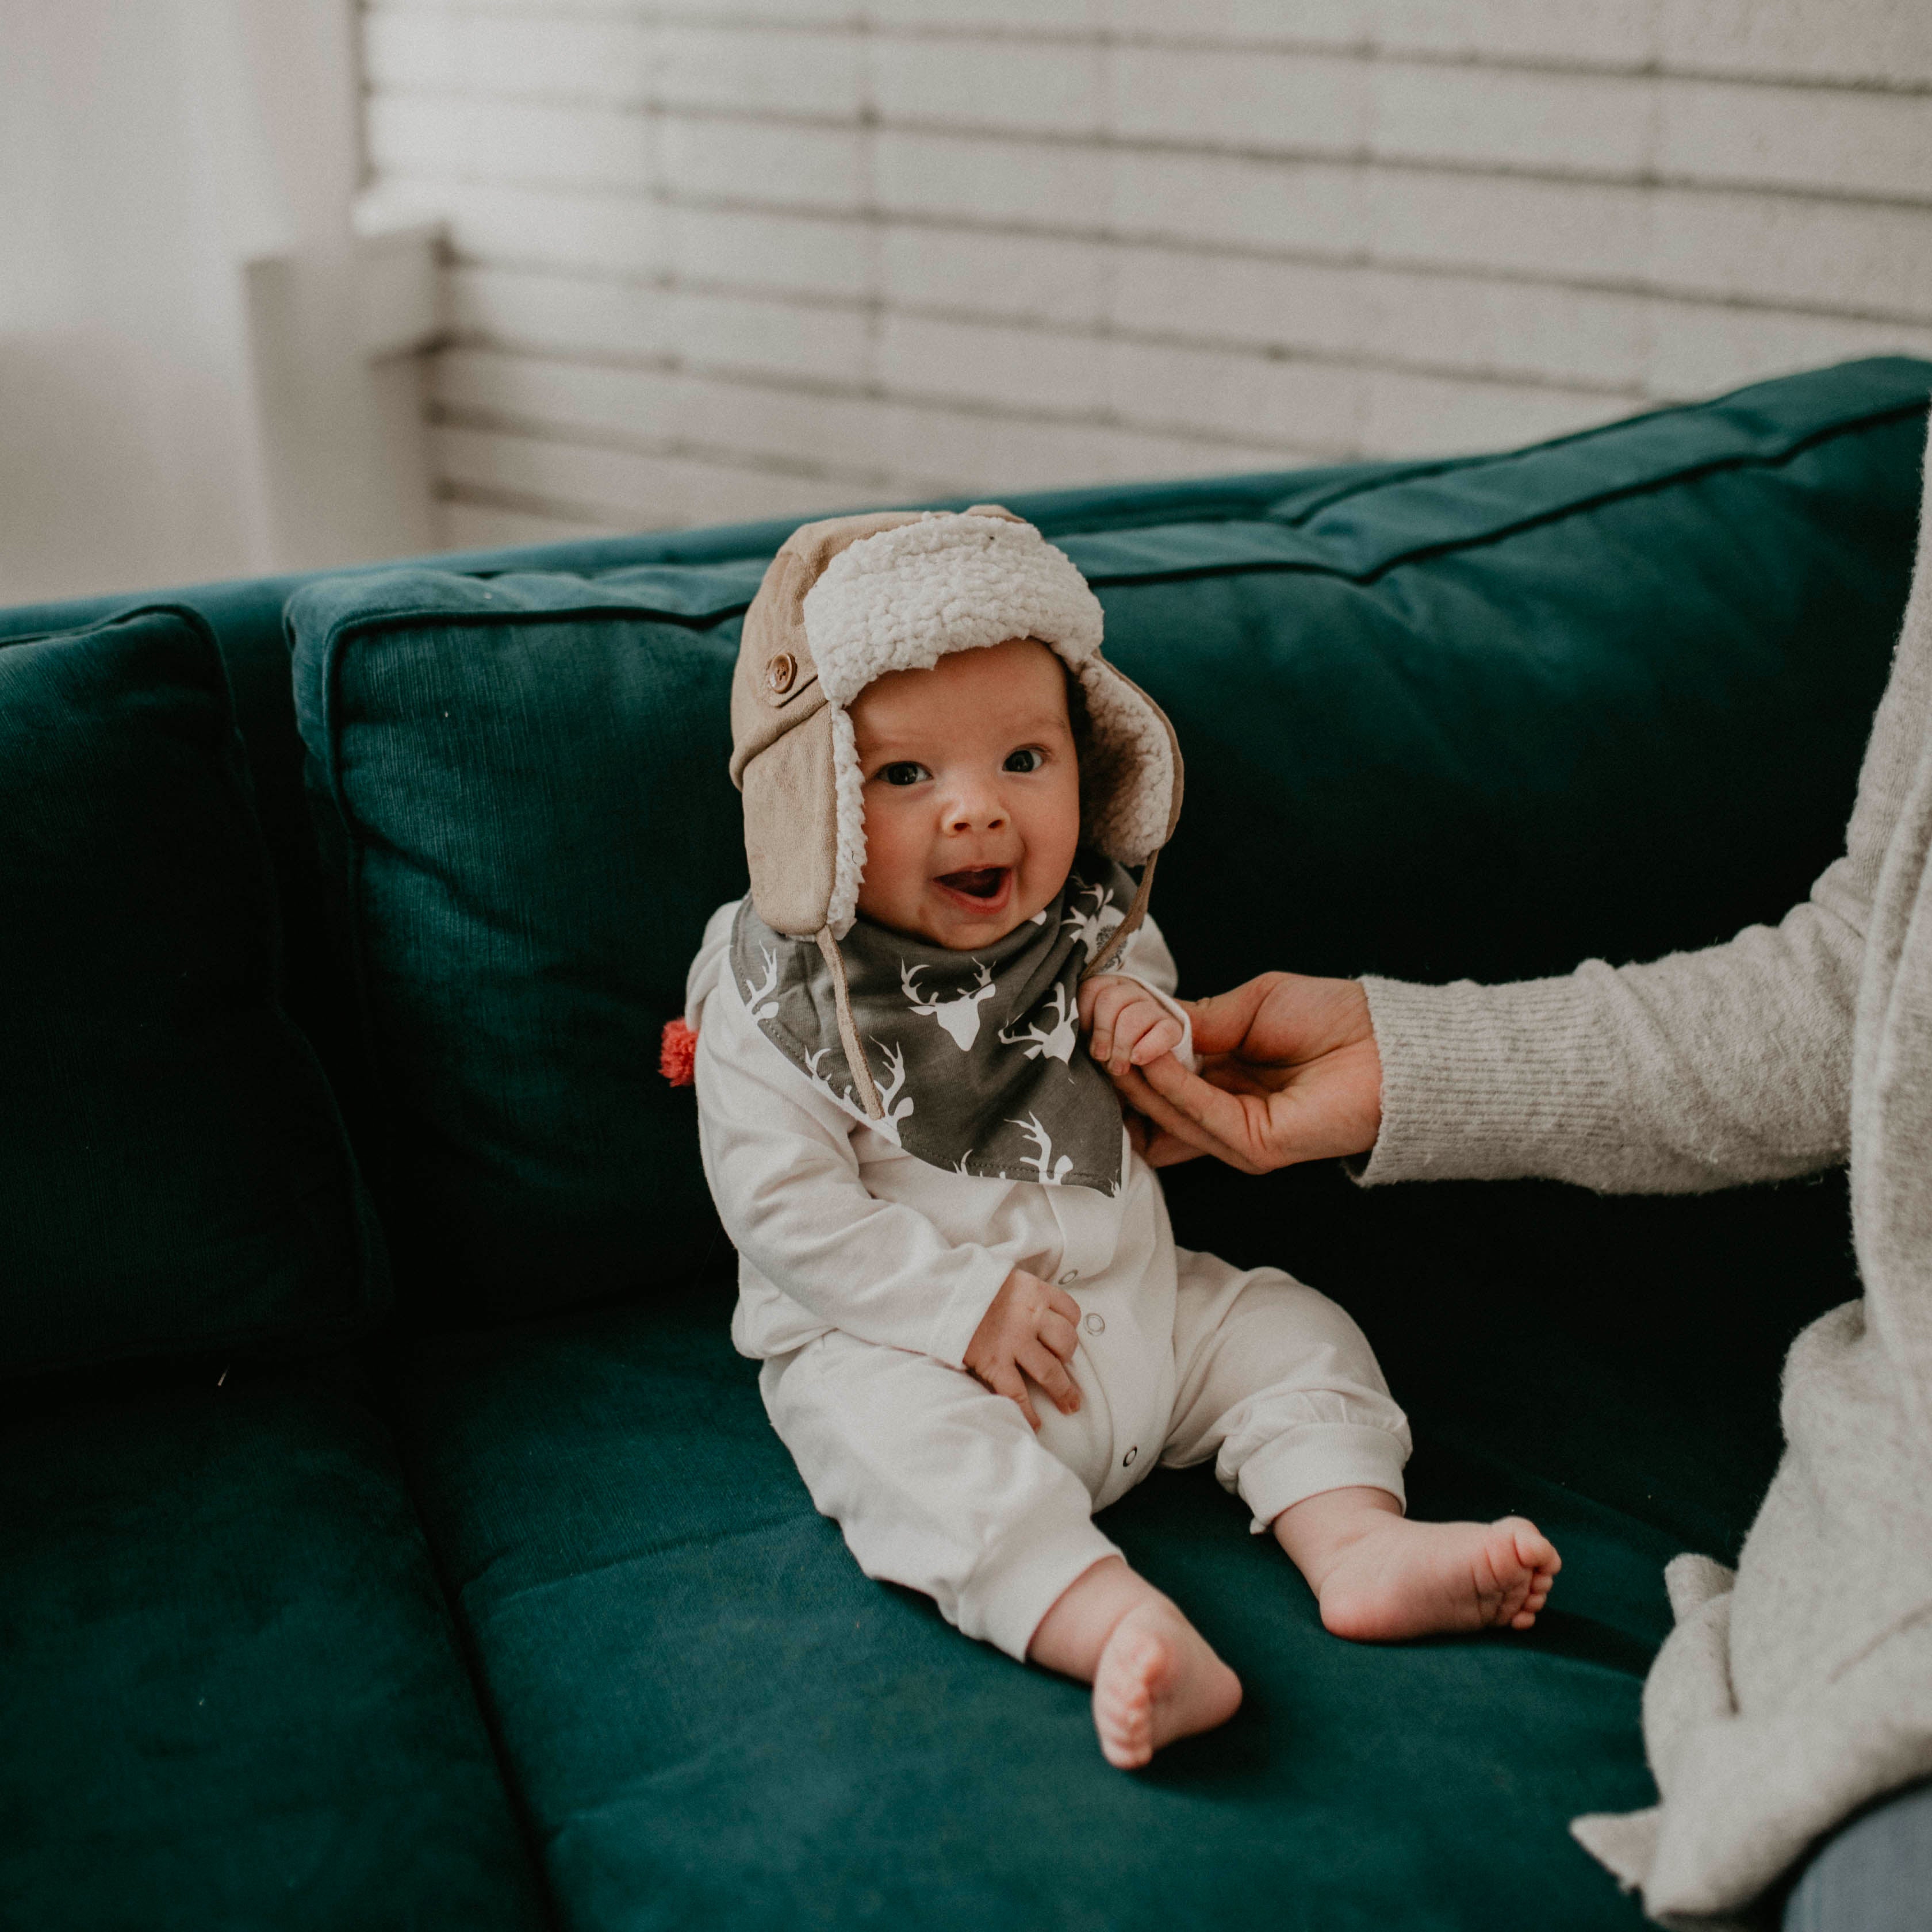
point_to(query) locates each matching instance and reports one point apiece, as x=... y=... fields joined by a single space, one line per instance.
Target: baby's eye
x=905 y=772
x=1029 y=760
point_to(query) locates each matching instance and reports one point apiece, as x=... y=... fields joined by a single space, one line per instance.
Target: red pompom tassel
x=677 y=1058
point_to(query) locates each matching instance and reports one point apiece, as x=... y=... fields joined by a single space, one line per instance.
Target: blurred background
x=292 y=282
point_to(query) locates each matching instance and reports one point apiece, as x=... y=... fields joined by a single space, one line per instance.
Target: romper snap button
x=1127 y=1460
x=1097 y=1324
x=779 y=673
x=1070 y=1276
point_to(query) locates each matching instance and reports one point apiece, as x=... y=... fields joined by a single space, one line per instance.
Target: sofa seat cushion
x=174 y=1175
x=715 y=1719
x=228 y=1683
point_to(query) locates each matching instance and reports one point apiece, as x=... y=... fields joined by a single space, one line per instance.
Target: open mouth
x=984 y=884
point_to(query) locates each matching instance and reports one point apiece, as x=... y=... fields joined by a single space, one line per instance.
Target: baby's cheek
x=892 y=858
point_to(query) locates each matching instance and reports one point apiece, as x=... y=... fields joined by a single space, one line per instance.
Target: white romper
x=863 y=1273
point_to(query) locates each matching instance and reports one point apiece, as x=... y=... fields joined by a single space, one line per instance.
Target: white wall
x=728 y=258
x=186 y=388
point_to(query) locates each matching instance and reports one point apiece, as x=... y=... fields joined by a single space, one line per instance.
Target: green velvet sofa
x=391 y=1538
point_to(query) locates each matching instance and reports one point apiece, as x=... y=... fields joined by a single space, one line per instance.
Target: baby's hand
x=1128 y=1026
x=1029 y=1332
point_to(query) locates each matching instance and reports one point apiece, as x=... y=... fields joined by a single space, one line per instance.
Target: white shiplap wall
x=725 y=258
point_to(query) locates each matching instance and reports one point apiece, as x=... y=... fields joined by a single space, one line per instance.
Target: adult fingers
x=1160 y=1114
x=1165 y=1150
x=1163 y=1037
x=1217 y=1123
x=1222 y=1021
x=1150 y=1141
x=1233 y=1075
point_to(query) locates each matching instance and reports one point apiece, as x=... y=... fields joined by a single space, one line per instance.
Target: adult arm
x=1696 y=1071
x=1693 y=1072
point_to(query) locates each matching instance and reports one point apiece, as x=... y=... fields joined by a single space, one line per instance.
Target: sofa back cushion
x=522 y=798
x=174 y=1176
x=1485 y=717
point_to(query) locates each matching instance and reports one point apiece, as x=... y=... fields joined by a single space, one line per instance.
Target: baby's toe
x=1127 y=1745
x=1533 y=1550
x=1123 y=1703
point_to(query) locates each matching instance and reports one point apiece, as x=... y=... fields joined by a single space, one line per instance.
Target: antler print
x=891 y=1115
x=1092 y=927
x=1056 y=1042
x=755 y=994
x=960 y=1014
x=1048 y=1172
x=817 y=1079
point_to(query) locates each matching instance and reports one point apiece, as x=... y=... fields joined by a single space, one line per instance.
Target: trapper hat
x=850 y=598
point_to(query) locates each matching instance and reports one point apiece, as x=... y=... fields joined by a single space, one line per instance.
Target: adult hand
x=1289 y=1072
x=1026 y=1340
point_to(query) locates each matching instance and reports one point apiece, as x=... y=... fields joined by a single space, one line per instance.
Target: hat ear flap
x=1132 y=779
x=791 y=827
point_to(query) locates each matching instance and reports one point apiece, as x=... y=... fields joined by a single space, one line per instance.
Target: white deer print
x=1057 y=1042
x=819 y=1080
x=753 y=995
x=960 y=1014
x=1092 y=927
x=889 y=1123
x=1048 y=1172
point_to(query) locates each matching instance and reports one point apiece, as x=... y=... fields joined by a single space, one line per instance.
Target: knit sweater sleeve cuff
x=1492 y=1083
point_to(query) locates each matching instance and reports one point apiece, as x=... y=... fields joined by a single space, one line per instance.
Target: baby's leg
x=1155 y=1678
x=940 y=1485
x=1378 y=1576
x=1279 y=1386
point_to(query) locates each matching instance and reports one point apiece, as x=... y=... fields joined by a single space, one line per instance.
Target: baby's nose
x=967 y=820
x=974 y=810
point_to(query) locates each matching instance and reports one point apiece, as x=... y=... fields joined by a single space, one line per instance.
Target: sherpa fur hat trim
x=903 y=599
x=850 y=599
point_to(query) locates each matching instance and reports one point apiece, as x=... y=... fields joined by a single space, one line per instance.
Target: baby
x=976 y=1330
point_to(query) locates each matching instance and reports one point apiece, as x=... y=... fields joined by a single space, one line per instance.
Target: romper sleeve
x=778 y=1154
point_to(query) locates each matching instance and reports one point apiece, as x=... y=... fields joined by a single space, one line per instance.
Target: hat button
x=779 y=673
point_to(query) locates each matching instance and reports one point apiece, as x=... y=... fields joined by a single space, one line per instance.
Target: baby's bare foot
x=1157 y=1680
x=1400 y=1578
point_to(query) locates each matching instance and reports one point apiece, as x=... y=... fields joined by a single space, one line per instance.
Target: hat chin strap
x=848 y=1034
x=1117 y=940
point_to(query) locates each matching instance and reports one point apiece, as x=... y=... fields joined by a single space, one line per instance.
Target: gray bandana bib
x=976 y=1056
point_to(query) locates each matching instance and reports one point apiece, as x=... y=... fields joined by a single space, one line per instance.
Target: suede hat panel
x=848 y=600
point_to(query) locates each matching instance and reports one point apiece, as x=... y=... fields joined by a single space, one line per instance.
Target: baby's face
x=972 y=793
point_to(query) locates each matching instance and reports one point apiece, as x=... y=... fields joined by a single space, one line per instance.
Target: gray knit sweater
x=1793 y=1692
